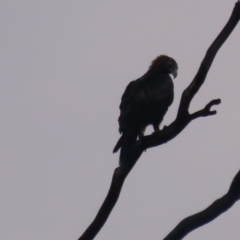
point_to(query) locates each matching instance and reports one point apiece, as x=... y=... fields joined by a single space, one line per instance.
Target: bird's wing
x=132 y=88
x=128 y=95
x=126 y=104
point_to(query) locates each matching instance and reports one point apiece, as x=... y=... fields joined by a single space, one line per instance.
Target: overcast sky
x=64 y=67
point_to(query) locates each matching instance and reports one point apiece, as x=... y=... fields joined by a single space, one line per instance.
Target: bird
x=144 y=102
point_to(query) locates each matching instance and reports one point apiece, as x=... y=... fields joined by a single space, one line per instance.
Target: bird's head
x=165 y=64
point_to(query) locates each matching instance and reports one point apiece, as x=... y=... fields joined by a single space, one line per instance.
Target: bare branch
x=168 y=133
x=213 y=211
x=207 y=110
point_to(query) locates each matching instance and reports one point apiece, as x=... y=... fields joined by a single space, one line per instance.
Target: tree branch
x=168 y=133
x=207 y=110
x=213 y=211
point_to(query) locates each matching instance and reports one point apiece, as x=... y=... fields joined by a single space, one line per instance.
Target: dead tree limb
x=220 y=206
x=168 y=133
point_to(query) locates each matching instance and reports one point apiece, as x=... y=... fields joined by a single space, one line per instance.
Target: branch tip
x=207 y=110
x=212 y=103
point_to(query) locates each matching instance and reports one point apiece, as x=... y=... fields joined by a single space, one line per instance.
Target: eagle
x=144 y=102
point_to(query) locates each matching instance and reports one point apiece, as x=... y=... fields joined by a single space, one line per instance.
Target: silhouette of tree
x=168 y=133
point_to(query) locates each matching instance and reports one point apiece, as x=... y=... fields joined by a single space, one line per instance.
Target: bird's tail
x=126 y=142
x=118 y=145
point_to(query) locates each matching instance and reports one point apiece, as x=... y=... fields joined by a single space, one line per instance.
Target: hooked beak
x=174 y=72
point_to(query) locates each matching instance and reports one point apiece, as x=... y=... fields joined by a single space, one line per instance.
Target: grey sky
x=64 y=66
